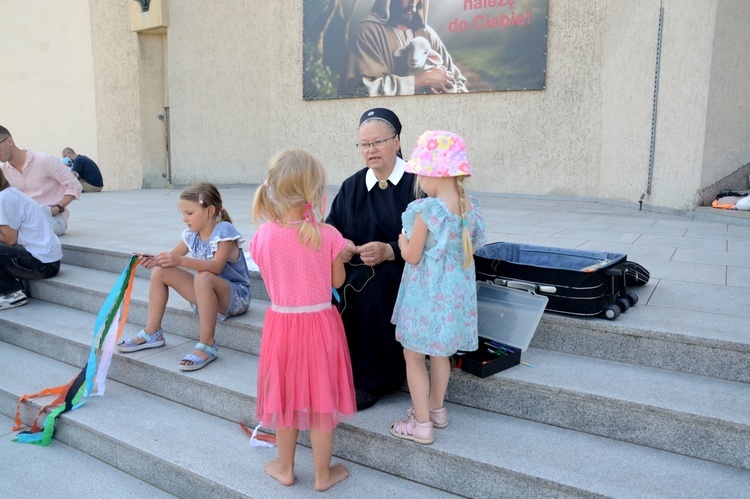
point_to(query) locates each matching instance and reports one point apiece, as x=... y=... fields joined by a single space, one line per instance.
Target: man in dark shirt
x=85 y=170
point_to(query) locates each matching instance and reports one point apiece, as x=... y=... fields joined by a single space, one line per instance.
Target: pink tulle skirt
x=304 y=374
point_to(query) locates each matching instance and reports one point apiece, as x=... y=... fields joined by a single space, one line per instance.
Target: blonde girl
x=304 y=373
x=436 y=308
x=207 y=268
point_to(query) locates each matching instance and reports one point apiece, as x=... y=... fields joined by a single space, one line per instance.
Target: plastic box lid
x=509 y=316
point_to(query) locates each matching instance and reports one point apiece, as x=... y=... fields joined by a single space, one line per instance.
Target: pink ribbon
x=306 y=215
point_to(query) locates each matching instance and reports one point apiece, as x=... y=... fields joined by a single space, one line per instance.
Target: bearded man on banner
x=372 y=68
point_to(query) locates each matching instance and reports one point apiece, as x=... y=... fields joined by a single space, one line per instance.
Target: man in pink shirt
x=41 y=177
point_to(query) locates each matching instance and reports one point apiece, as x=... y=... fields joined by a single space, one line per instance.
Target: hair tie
x=464 y=223
x=265 y=182
x=200 y=198
x=306 y=215
x=222 y=209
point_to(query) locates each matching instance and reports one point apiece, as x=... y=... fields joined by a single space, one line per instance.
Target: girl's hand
x=403 y=241
x=146 y=260
x=167 y=259
x=348 y=252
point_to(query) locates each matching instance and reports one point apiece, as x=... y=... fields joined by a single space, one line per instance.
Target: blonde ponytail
x=466 y=236
x=295 y=178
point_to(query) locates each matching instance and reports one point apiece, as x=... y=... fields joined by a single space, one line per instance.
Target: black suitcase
x=576 y=282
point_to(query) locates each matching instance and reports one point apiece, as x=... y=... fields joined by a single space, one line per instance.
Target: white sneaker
x=12 y=300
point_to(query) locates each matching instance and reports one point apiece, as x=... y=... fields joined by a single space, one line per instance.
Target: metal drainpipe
x=654 y=108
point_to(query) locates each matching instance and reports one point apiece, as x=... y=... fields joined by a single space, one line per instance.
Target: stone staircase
x=608 y=409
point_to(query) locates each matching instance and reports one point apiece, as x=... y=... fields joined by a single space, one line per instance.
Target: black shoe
x=365 y=400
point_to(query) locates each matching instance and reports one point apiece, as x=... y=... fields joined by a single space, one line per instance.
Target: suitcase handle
x=526 y=286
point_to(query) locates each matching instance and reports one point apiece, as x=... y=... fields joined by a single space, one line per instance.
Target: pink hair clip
x=200 y=198
x=306 y=215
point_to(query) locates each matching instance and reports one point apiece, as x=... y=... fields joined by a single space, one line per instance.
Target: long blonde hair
x=295 y=178
x=466 y=235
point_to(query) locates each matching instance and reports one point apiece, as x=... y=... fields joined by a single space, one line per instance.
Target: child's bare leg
x=419 y=384
x=211 y=295
x=282 y=468
x=326 y=476
x=440 y=373
x=163 y=278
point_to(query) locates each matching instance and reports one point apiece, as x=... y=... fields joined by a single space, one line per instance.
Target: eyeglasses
x=377 y=144
x=6 y=138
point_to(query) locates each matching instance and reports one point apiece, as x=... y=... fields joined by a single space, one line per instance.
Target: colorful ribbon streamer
x=74 y=394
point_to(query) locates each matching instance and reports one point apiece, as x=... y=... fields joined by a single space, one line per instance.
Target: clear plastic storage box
x=508 y=319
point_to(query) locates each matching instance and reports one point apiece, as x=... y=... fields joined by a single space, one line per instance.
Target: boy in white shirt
x=28 y=247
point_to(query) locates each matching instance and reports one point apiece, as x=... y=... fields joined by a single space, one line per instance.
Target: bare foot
x=338 y=473
x=284 y=476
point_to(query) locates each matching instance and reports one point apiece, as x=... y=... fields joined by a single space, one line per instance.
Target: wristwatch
x=60 y=208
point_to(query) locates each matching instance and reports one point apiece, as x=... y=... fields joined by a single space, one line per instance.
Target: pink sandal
x=411 y=429
x=439 y=417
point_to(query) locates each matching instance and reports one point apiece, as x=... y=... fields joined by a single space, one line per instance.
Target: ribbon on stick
x=73 y=394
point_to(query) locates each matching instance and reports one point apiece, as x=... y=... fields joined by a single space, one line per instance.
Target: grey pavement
x=699 y=290
x=699 y=260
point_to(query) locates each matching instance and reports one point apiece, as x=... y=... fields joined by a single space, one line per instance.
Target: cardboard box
x=507 y=321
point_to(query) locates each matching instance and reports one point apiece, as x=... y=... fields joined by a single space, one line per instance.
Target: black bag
x=635 y=274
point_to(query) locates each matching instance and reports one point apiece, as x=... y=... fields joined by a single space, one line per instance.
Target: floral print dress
x=436 y=308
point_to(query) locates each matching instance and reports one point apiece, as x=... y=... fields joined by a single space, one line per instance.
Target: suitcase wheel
x=611 y=312
x=623 y=303
x=632 y=298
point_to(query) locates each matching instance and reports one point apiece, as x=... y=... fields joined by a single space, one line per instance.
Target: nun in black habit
x=367 y=211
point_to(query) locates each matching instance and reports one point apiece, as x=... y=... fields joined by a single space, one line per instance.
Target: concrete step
x=706 y=344
x=85 y=289
x=59 y=470
x=693 y=342
x=687 y=414
x=178 y=449
x=115 y=261
x=191 y=453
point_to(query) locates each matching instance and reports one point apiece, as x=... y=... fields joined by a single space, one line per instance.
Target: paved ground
x=699 y=261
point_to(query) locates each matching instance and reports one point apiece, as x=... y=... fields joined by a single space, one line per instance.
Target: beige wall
x=116 y=66
x=683 y=102
x=727 y=143
x=233 y=79
x=47 y=76
x=587 y=135
x=225 y=66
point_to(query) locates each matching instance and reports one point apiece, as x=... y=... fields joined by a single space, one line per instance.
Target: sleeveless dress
x=436 y=307
x=235 y=272
x=304 y=371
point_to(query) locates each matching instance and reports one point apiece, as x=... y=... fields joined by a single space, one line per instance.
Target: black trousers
x=17 y=265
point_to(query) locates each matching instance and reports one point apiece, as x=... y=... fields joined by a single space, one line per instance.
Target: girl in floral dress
x=436 y=308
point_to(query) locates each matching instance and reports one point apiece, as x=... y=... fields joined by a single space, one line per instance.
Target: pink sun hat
x=439 y=154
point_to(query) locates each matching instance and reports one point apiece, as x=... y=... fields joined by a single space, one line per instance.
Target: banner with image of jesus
x=361 y=48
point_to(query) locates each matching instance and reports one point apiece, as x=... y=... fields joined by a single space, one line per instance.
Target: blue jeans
x=17 y=265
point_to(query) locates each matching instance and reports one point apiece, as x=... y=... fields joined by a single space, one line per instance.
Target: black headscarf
x=386 y=115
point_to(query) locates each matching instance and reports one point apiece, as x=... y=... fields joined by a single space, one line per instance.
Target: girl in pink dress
x=304 y=374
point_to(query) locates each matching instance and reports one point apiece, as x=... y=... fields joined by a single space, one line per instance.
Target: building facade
x=193 y=90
